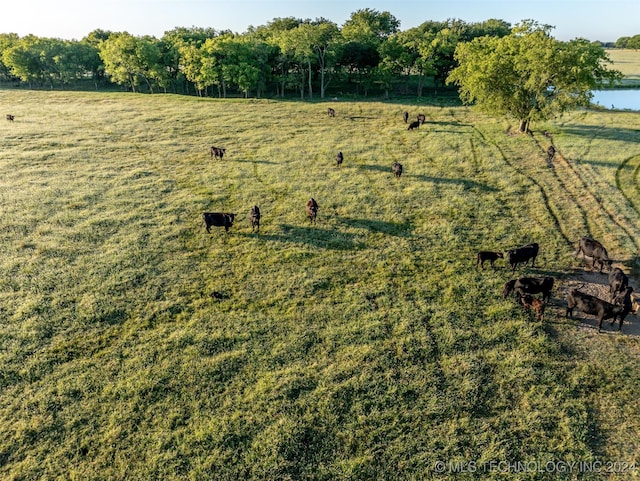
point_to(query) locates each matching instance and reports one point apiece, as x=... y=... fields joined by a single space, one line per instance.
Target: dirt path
x=596 y=284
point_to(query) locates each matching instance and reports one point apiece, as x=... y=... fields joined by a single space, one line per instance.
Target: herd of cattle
x=619 y=305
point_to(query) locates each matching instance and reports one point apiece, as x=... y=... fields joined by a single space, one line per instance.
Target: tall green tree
x=7 y=40
x=30 y=59
x=311 y=44
x=528 y=75
x=364 y=34
x=131 y=60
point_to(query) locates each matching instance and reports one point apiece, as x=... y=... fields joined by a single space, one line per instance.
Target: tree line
x=287 y=56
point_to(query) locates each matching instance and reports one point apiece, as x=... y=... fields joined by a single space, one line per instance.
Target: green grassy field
x=365 y=347
x=626 y=61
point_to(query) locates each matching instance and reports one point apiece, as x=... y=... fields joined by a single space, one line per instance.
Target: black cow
x=529 y=285
x=551 y=153
x=618 y=282
x=339 y=159
x=523 y=254
x=218 y=152
x=331 y=112
x=592 y=305
x=396 y=168
x=625 y=300
x=254 y=216
x=10 y=117
x=488 y=256
x=594 y=249
x=414 y=125
x=218 y=219
x=405 y=117
x=421 y=118
x=312 y=209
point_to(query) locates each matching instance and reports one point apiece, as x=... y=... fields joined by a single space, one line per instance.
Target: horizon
x=75 y=19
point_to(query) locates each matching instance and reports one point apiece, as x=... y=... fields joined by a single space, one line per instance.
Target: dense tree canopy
x=528 y=75
x=369 y=53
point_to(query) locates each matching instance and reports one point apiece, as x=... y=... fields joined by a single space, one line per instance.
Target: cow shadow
x=466 y=183
x=447 y=123
x=378 y=168
x=254 y=161
x=314 y=236
x=397 y=229
x=607 y=133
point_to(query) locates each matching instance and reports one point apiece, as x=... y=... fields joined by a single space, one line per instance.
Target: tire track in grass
x=630 y=166
x=545 y=197
x=565 y=188
x=587 y=195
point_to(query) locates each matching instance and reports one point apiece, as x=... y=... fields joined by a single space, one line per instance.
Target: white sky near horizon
x=604 y=20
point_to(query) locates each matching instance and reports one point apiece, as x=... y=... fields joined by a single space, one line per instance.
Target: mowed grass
x=626 y=61
x=367 y=346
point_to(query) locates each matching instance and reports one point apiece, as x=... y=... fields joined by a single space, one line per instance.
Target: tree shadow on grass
x=466 y=183
x=313 y=236
x=378 y=168
x=255 y=161
x=398 y=229
x=608 y=133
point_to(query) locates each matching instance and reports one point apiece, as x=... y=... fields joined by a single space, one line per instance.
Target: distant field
x=626 y=61
x=135 y=346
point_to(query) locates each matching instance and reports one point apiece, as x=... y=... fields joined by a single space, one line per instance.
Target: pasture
x=626 y=61
x=134 y=345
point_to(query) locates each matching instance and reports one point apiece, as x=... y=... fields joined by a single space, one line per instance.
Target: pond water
x=617 y=99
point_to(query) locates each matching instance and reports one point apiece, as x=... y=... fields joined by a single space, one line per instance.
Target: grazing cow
x=254 y=216
x=421 y=118
x=405 y=117
x=551 y=153
x=488 y=256
x=396 y=168
x=594 y=249
x=534 y=303
x=339 y=159
x=312 y=210
x=414 y=125
x=592 y=305
x=523 y=254
x=625 y=300
x=10 y=117
x=218 y=152
x=618 y=282
x=218 y=219
x=529 y=285
x=331 y=112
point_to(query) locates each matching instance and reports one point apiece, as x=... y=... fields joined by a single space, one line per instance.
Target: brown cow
x=312 y=210
x=530 y=302
x=594 y=249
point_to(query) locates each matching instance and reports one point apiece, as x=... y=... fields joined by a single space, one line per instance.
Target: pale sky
x=604 y=20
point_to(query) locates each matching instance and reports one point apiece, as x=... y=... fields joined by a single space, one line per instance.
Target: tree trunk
x=310 y=88
x=524 y=125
